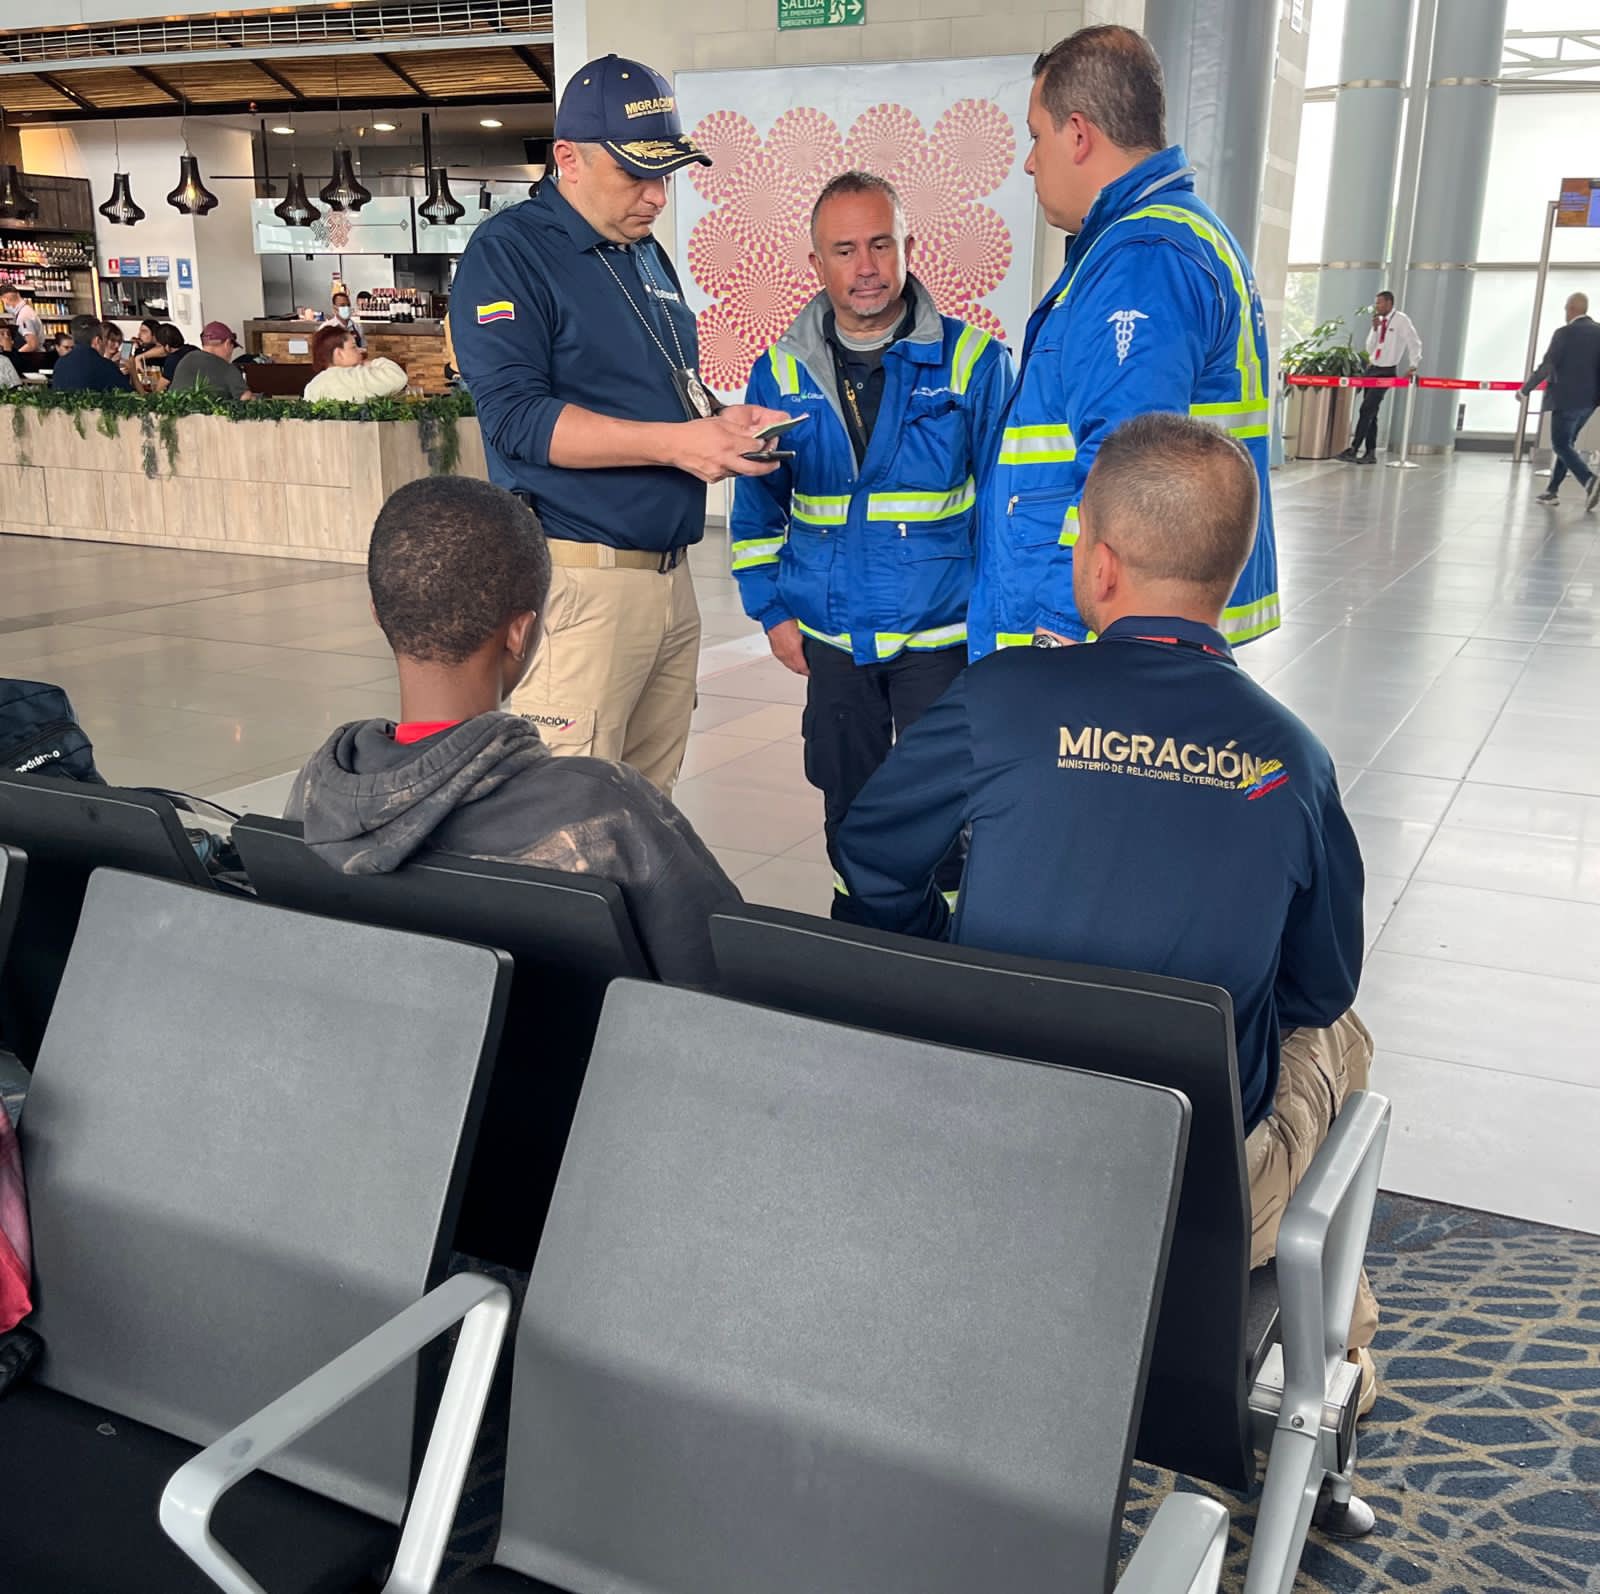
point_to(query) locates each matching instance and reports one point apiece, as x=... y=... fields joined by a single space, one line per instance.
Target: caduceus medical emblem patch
x=1123 y=321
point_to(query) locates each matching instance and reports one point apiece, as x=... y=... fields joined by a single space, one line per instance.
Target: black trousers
x=1366 y=438
x=854 y=712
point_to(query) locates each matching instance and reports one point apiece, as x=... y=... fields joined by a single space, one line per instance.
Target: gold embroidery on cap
x=657 y=151
x=636 y=108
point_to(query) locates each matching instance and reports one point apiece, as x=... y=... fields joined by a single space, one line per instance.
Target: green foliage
x=1327 y=350
x=435 y=417
x=168 y=427
x=147 y=449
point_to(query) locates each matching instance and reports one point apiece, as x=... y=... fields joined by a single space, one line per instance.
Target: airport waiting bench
x=244 y=1144
x=1243 y=1362
x=568 y=937
x=806 y=1316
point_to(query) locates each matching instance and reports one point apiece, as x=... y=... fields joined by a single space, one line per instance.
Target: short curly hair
x=325 y=340
x=451 y=560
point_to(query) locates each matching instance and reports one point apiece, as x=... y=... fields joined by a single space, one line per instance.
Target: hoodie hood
x=366 y=803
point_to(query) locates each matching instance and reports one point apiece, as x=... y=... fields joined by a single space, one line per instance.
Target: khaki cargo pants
x=614 y=671
x=1317 y=1070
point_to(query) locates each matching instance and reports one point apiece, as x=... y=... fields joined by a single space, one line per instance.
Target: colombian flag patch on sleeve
x=500 y=310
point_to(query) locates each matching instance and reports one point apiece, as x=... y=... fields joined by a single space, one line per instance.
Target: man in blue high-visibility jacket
x=1142 y=804
x=857 y=556
x=1156 y=310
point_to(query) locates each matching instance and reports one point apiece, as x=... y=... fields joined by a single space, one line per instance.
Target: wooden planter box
x=285 y=489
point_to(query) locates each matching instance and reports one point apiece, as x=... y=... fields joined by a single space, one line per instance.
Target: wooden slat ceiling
x=443 y=76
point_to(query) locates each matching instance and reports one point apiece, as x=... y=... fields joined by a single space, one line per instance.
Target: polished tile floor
x=1442 y=634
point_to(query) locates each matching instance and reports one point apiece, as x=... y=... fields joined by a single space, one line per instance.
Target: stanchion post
x=1404 y=463
x=1519 y=442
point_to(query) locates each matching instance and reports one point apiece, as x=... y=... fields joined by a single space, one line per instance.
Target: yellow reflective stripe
x=827 y=511
x=888 y=643
x=1014 y=639
x=1049 y=444
x=756 y=551
x=840 y=641
x=1242 y=422
x=940 y=636
x=950 y=899
x=1243 y=622
x=922 y=507
x=1245 y=353
x=786 y=369
x=1069 y=528
x=969 y=346
x=839 y=885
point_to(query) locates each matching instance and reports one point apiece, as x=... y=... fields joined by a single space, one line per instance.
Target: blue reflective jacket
x=1156 y=310
x=881 y=560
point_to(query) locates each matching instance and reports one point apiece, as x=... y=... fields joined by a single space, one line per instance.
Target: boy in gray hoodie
x=459 y=570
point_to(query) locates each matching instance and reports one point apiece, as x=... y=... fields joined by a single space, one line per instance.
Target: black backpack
x=40 y=735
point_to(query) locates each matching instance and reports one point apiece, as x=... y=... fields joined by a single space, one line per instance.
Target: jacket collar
x=807 y=340
x=1167 y=628
x=561 y=209
x=1167 y=170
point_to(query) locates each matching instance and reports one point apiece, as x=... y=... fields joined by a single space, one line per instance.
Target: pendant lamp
x=441 y=206
x=121 y=209
x=191 y=197
x=16 y=203
x=344 y=190
x=296 y=209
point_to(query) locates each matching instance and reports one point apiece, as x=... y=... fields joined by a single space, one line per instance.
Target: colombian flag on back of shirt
x=500 y=310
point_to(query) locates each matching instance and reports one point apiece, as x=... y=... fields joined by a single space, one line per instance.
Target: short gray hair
x=1111 y=77
x=858 y=182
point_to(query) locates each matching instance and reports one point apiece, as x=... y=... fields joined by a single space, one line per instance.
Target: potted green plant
x=1317 y=418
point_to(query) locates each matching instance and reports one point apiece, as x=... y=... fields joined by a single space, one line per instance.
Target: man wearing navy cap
x=572 y=334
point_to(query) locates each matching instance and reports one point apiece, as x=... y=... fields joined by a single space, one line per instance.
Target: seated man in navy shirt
x=1141 y=803
x=86 y=368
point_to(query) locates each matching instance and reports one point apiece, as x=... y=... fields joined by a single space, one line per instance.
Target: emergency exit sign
x=821 y=13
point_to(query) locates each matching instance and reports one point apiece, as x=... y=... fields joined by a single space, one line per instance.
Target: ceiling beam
x=533 y=64
x=62 y=89
x=266 y=69
x=166 y=88
x=404 y=76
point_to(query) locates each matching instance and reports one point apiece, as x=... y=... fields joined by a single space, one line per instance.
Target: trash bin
x=1319 y=423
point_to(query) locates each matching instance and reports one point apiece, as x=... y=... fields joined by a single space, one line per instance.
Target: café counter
x=416 y=346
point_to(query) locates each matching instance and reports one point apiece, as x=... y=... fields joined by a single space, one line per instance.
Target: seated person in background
x=10 y=376
x=345 y=373
x=459 y=570
x=59 y=344
x=86 y=369
x=211 y=365
x=147 y=351
x=170 y=349
x=1140 y=803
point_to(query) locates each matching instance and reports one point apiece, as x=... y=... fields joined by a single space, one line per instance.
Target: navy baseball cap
x=630 y=110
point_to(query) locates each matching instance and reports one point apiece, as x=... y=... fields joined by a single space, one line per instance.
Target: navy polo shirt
x=85 y=370
x=538 y=322
x=1135 y=803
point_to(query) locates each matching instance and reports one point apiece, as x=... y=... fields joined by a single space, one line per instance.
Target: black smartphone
x=769 y=458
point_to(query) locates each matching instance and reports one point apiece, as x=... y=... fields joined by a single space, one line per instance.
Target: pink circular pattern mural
x=749 y=253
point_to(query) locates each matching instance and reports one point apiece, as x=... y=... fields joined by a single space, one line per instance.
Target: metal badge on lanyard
x=698 y=401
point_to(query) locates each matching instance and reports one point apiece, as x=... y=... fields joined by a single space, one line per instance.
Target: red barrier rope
x=1405 y=381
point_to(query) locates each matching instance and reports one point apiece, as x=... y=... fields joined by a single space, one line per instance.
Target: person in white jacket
x=345 y=373
x=1392 y=340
